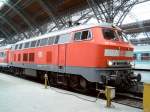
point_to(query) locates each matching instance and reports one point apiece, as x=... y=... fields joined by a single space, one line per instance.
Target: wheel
x=74 y=82
x=83 y=83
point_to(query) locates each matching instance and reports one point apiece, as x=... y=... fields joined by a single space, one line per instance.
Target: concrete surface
x=19 y=95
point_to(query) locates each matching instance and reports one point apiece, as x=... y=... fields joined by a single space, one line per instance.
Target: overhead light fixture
x=2 y=2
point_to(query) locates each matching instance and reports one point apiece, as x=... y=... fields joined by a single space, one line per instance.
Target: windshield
x=111 y=34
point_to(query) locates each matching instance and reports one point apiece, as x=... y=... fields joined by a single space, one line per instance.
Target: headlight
x=132 y=64
x=110 y=63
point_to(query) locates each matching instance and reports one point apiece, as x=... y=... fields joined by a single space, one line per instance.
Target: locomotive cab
x=118 y=50
x=117 y=59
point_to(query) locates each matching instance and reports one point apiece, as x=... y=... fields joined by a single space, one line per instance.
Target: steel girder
x=112 y=11
x=10 y=24
x=83 y=17
x=142 y=1
x=7 y=20
x=19 y=13
x=25 y=18
x=22 y=15
x=32 y=25
x=95 y=10
x=4 y=33
x=59 y=22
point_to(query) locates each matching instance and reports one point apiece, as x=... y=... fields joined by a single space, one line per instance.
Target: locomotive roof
x=68 y=30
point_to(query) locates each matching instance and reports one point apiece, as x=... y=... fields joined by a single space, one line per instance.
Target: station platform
x=20 y=95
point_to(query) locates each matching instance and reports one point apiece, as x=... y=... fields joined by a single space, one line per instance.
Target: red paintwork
x=88 y=53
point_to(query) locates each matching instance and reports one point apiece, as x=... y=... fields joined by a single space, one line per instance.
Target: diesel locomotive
x=76 y=57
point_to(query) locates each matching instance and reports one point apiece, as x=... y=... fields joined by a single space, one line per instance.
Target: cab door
x=62 y=58
x=63 y=41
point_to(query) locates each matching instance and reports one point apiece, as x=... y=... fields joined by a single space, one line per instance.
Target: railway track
x=121 y=98
x=129 y=100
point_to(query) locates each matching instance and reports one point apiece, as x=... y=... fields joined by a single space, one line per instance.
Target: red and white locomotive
x=4 y=57
x=77 y=56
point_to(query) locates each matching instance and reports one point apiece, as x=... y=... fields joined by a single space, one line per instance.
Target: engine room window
x=16 y=47
x=26 y=45
x=2 y=54
x=64 y=38
x=20 y=46
x=109 y=34
x=13 y=47
x=56 y=39
x=38 y=43
x=51 y=40
x=44 y=42
x=33 y=43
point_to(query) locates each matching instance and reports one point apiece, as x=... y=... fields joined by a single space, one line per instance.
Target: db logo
x=122 y=53
x=40 y=54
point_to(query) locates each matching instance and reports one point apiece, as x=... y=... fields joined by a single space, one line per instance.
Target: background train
x=142 y=57
x=77 y=57
x=4 y=57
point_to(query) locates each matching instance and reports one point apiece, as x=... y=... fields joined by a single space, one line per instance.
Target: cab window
x=109 y=34
x=44 y=42
x=64 y=38
x=33 y=43
x=85 y=35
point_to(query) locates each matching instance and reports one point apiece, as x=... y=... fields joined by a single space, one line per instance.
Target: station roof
x=137 y=27
x=18 y=16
